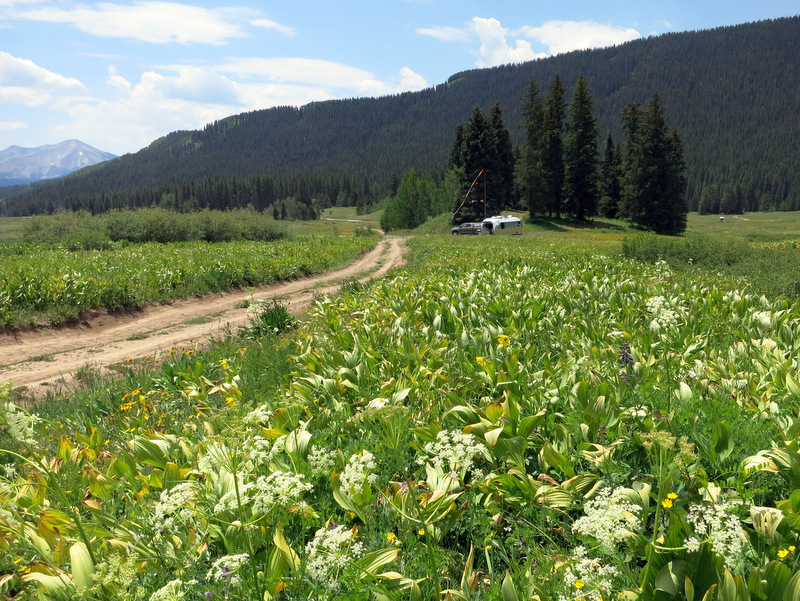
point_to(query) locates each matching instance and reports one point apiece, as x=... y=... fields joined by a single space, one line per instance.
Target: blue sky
x=119 y=74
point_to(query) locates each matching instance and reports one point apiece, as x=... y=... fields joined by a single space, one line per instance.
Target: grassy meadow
x=56 y=267
x=534 y=417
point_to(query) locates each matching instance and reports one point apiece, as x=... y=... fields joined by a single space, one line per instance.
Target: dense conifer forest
x=731 y=92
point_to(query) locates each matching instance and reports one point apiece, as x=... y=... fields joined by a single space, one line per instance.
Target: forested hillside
x=732 y=93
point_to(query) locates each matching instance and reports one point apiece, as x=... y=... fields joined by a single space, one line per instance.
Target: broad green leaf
x=671 y=576
x=723 y=443
x=507 y=590
x=288 y=553
x=372 y=562
x=82 y=565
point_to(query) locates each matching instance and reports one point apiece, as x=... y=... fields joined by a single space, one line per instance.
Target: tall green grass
x=772 y=269
x=83 y=231
x=41 y=282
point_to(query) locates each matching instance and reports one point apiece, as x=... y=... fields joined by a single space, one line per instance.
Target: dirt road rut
x=50 y=359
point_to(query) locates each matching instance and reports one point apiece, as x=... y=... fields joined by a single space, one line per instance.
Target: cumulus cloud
x=555 y=36
x=188 y=97
x=494 y=48
x=147 y=21
x=22 y=72
x=23 y=82
x=565 y=36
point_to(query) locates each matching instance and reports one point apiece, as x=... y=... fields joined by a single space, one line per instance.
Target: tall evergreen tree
x=500 y=178
x=529 y=167
x=610 y=180
x=580 y=153
x=553 y=155
x=654 y=182
x=476 y=152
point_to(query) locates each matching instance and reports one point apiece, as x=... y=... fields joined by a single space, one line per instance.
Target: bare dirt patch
x=50 y=359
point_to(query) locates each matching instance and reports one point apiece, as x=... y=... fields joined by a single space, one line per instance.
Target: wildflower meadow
x=501 y=419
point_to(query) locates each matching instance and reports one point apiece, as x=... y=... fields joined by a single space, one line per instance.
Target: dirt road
x=50 y=359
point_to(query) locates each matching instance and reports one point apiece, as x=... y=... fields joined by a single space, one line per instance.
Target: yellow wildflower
x=503 y=340
x=421 y=532
x=672 y=496
x=666 y=503
x=783 y=553
x=579 y=584
x=792 y=548
x=391 y=536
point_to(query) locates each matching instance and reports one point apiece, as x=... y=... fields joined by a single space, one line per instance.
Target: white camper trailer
x=502 y=225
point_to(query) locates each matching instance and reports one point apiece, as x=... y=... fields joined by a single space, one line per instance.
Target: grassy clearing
x=506 y=418
x=11 y=228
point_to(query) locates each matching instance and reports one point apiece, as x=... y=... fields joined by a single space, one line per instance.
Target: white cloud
x=270 y=24
x=23 y=82
x=321 y=73
x=494 y=47
x=11 y=125
x=445 y=34
x=188 y=97
x=147 y=21
x=565 y=36
x=25 y=73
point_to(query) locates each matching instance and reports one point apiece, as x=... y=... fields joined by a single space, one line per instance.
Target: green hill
x=731 y=92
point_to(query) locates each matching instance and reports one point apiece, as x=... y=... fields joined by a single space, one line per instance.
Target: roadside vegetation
x=49 y=283
x=533 y=417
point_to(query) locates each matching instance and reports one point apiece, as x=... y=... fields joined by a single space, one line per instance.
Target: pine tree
x=529 y=166
x=654 y=182
x=474 y=153
x=500 y=179
x=553 y=156
x=580 y=153
x=610 y=184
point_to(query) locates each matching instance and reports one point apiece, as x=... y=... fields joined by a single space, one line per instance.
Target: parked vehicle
x=468 y=228
x=502 y=225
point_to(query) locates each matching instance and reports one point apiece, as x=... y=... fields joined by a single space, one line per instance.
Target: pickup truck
x=467 y=228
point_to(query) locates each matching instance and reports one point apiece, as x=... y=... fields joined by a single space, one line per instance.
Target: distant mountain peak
x=19 y=165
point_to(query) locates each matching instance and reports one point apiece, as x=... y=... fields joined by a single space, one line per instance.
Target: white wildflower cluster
x=321 y=461
x=610 y=518
x=230 y=502
x=116 y=574
x=278 y=489
x=453 y=451
x=20 y=425
x=358 y=474
x=260 y=416
x=588 y=578
x=172 y=591
x=278 y=447
x=665 y=316
x=226 y=569
x=175 y=508
x=331 y=550
x=718 y=525
x=259 y=450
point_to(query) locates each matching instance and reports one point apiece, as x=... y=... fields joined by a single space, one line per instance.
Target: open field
x=53 y=284
x=531 y=417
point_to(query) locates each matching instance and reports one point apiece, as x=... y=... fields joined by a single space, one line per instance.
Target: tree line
x=731 y=92
x=557 y=171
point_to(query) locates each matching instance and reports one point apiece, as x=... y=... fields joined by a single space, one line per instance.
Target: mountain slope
x=731 y=92
x=24 y=165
